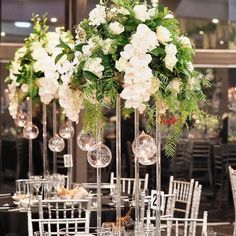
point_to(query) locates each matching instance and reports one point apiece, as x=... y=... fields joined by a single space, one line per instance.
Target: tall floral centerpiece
x=134 y=49
x=41 y=70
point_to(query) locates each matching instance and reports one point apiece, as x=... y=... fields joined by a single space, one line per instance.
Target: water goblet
x=36 y=181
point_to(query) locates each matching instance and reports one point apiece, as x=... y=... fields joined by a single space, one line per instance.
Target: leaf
x=70 y=56
x=58 y=57
x=63 y=45
x=79 y=47
x=157 y=51
x=90 y=75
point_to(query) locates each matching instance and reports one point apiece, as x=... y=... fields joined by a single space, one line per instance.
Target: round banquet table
x=14 y=223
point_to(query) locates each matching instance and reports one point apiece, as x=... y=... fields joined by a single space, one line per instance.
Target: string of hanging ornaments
x=127 y=55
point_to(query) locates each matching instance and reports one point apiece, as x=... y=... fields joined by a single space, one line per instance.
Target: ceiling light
x=53 y=19
x=22 y=24
x=3 y=34
x=201 y=32
x=221 y=42
x=215 y=21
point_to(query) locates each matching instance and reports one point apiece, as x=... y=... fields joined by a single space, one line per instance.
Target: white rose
x=116 y=28
x=185 y=41
x=170 y=49
x=170 y=62
x=174 y=85
x=121 y=64
x=163 y=35
x=128 y=52
x=24 y=88
x=141 y=12
x=39 y=54
x=97 y=16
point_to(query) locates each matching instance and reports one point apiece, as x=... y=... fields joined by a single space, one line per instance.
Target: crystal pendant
x=144 y=145
x=86 y=141
x=66 y=131
x=30 y=130
x=56 y=143
x=21 y=119
x=100 y=157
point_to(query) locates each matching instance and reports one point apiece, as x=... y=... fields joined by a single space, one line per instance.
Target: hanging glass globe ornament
x=66 y=131
x=100 y=157
x=146 y=161
x=21 y=119
x=86 y=141
x=144 y=145
x=56 y=143
x=30 y=131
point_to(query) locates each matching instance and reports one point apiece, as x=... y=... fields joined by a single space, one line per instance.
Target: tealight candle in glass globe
x=146 y=161
x=66 y=131
x=86 y=141
x=100 y=157
x=21 y=119
x=56 y=143
x=144 y=145
x=30 y=130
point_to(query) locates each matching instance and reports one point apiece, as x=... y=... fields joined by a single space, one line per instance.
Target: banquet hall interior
x=204 y=152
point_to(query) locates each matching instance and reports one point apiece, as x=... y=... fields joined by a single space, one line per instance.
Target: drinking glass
x=36 y=181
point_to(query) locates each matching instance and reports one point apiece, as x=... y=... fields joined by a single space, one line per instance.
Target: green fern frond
x=173 y=138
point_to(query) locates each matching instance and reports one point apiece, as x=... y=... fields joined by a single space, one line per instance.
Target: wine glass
x=56 y=143
x=30 y=130
x=66 y=131
x=21 y=119
x=36 y=181
x=100 y=157
x=86 y=141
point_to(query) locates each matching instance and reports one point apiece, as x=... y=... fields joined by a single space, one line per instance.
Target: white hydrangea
x=163 y=34
x=141 y=12
x=97 y=16
x=185 y=41
x=94 y=65
x=170 y=58
x=71 y=101
x=106 y=46
x=48 y=89
x=116 y=28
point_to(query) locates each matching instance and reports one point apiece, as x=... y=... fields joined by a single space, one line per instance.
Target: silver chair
x=232 y=175
x=127 y=184
x=177 y=226
x=61 y=217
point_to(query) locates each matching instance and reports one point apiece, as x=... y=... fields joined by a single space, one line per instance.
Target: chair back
x=128 y=184
x=196 y=200
x=61 y=217
x=232 y=175
x=184 y=193
x=177 y=225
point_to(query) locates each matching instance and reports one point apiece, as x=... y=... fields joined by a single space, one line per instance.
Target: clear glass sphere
x=66 y=131
x=146 y=161
x=21 y=119
x=144 y=145
x=30 y=131
x=100 y=157
x=56 y=143
x=86 y=141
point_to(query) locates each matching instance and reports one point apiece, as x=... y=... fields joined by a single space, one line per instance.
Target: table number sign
x=154 y=200
x=68 y=162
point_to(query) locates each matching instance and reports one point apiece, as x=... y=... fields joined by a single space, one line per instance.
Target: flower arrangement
x=133 y=49
x=125 y=47
x=41 y=69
